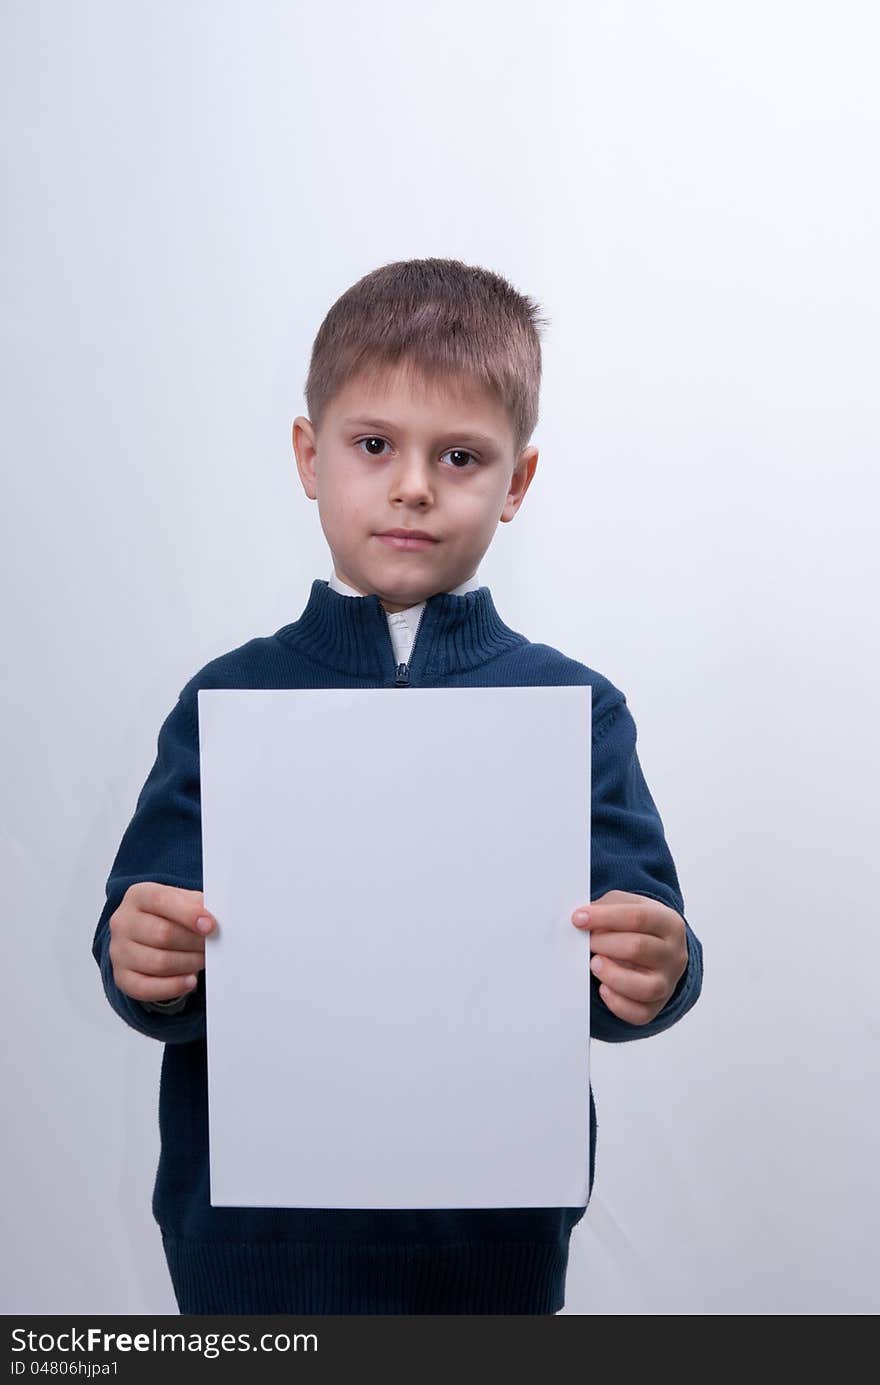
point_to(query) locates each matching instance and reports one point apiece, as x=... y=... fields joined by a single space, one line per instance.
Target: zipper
x=401 y=671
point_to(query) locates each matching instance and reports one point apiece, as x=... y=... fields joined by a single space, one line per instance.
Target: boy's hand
x=156 y=945
x=640 y=952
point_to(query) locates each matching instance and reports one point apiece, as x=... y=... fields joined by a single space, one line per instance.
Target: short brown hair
x=439 y=318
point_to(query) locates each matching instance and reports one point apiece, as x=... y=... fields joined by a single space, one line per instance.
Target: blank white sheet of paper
x=397 y=1000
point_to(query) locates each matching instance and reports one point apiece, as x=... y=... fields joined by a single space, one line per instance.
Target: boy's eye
x=461 y=452
x=381 y=441
x=451 y=451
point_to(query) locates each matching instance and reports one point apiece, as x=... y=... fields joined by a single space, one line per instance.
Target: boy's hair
x=434 y=318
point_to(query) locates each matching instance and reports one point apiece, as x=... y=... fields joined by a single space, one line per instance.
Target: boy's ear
x=305 y=450
x=520 y=481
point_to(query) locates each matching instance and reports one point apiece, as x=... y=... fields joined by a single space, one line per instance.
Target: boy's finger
x=157 y=930
x=627 y=918
x=625 y=1009
x=641 y=986
x=185 y=907
x=630 y=949
x=141 y=987
x=157 y=961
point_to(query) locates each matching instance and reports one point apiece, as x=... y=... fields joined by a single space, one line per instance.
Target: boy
x=423 y=393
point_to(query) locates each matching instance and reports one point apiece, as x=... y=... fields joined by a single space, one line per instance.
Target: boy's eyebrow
x=388 y=427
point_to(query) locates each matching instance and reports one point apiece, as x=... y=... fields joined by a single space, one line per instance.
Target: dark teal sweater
x=295 y=1260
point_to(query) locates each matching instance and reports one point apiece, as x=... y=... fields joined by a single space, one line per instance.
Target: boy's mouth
x=407 y=538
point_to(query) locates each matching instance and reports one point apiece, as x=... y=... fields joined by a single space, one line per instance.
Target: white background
x=690 y=192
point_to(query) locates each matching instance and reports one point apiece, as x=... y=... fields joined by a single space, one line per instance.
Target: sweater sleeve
x=162 y=843
x=629 y=852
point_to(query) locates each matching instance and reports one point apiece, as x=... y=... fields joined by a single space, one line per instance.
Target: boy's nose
x=411 y=481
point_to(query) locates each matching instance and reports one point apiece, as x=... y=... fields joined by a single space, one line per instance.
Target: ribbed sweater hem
x=259 y=1277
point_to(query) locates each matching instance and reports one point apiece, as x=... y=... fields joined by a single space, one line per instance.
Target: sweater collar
x=350 y=635
x=403 y=625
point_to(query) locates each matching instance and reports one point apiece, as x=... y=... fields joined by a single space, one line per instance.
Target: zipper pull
x=401 y=676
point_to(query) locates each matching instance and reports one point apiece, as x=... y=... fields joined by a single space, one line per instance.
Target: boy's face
x=409 y=454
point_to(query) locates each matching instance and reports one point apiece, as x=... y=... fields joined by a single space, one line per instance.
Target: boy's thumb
x=204 y=920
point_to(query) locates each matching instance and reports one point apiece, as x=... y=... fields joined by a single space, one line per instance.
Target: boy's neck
x=470 y=584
